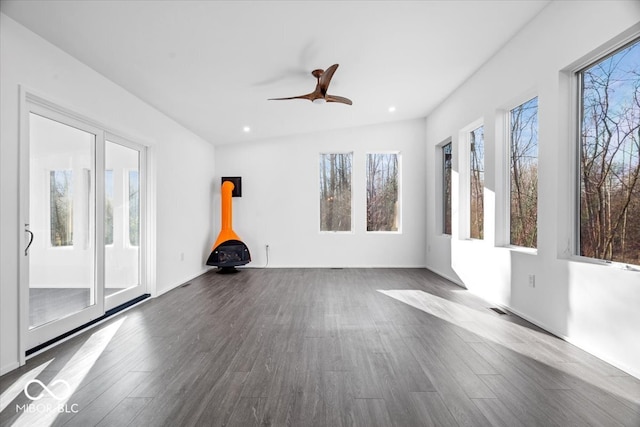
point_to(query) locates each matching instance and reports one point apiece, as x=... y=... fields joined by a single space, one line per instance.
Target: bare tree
x=477 y=182
x=335 y=192
x=108 y=207
x=134 y=208
x=382 y=192
x=61 y=207
x=446 y=187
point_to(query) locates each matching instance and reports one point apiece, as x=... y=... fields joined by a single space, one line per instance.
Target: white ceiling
x=211 y=65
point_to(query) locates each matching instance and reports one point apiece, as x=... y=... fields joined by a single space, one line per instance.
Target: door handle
x=26 y=250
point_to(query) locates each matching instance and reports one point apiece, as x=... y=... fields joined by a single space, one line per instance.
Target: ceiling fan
x=320 y=95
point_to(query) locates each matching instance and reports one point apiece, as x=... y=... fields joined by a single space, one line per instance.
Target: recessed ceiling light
x=246 y=129
x=392 y=109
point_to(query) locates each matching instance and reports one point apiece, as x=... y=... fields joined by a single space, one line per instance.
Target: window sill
x=603 y=263
x=522 y=249
x=384 y=232
x=334 y=232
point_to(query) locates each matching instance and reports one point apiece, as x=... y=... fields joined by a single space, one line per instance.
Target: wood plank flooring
x=319 y=347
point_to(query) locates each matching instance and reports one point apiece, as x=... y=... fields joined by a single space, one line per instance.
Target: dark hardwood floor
x=324 y=347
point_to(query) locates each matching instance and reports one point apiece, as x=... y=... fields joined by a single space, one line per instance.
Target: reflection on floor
x=48 y=304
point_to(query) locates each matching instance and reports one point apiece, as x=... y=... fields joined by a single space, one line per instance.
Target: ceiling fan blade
x=325 y=78
x=334 y=98
x=309 y=96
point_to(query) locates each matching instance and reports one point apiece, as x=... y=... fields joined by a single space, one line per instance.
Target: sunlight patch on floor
x=18 y=386
x=535 y=345
x=67 y=381
x=468 y=318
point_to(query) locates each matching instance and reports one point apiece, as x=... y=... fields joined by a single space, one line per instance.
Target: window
x=134 y=208
x=108 y=207
x=383 y=206
x=335 y=191
x=476 y=150
x=523 y=158
x=61 y=207
x=446 y=189
x=609 y=157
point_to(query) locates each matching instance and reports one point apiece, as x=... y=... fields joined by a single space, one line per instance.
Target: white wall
x=183 y=186
x=280 y=198
x=593 y=306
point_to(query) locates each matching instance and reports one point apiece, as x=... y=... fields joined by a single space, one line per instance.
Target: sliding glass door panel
x=123 y=190
x=62 y=272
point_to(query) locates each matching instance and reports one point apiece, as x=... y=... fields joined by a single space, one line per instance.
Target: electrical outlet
x=532 y=280
x=181 y=256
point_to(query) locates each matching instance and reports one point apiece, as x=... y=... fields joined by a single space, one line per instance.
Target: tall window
x=61 y=207
x=609 y=157
x=476 y=150
x=383 y=206
x=134 y=208
x=108 y=207
x=446 y=189
x=523 y=157
x=335 y=191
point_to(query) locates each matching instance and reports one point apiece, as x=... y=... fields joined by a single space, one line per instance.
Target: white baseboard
x=331 y=266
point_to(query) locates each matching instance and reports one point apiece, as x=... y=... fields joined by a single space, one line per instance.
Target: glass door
x=63 y=225
x=124 y=188
x=83 y=210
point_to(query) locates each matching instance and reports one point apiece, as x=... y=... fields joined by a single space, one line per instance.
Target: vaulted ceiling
x=212 y=65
